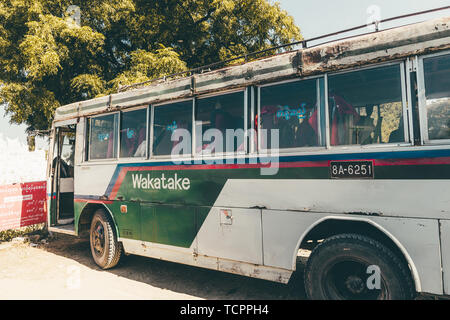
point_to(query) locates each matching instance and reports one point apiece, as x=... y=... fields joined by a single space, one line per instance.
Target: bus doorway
x=63 y=163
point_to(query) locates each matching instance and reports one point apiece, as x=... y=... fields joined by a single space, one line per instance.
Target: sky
x=317 y=18
x=14 y=131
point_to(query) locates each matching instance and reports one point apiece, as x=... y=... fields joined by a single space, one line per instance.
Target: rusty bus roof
x=376 y=47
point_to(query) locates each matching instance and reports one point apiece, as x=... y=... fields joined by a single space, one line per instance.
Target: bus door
x=63 y=165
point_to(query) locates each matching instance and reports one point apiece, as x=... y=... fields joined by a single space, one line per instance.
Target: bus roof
x=382 y=46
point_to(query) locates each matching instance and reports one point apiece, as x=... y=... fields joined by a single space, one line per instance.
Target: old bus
x=354 y=136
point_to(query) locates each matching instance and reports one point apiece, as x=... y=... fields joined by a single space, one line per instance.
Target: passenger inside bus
x=102 y=137
x=366 y=107
x=172 y=121
x=132 y=139
x=296 y=128
x=163 y=144
x=292 y=109
x=398 y=134
x=142 y=144
x=133 y=134
x=363 y=125
x=221 y=113
x=111 y=145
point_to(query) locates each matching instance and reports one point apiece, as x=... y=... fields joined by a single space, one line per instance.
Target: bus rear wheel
x=355 y=267
x=105 y=248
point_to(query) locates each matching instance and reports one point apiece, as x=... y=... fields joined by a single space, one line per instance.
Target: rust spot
x=297 y=60
x=365 y=213
x=311 y=57
x=323 y=54
x=249 y=74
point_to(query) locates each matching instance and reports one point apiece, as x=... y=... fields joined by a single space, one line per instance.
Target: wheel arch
x=87 y=213
x=331 y=225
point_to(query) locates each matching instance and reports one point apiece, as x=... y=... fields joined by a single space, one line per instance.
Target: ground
x=62 y=268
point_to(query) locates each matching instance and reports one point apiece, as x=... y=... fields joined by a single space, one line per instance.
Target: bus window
x=292 y=109
x=437 y=94
x=102 y=140
x=167 y=119
x=366 y=107
x=67 y=155
x=224 y=112
x=133 y=134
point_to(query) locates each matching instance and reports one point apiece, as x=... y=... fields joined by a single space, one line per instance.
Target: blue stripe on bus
x=296 y=158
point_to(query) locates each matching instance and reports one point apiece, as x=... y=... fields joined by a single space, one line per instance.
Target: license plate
x=351 y=169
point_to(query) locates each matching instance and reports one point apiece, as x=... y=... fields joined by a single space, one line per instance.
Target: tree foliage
x=51 y=54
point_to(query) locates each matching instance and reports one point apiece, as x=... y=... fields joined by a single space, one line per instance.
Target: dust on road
x=63 y=269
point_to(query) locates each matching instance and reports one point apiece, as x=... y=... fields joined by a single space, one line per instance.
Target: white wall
x=17 y=164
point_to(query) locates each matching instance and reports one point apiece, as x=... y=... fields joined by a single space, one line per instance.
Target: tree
x=55 y=52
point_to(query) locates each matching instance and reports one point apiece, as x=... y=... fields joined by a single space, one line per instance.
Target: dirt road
x=63 y=269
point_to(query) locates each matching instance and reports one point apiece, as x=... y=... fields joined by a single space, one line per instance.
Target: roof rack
x=303 y=43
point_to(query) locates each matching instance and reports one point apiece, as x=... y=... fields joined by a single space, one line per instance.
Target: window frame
x=262 y=151
x=408 y=140
x=116 y=137
x=146 y=133
x=423 y=120
x=86 y=135
x=153 y=106
x=250 y=145
x=220 y=155
x=410 y=64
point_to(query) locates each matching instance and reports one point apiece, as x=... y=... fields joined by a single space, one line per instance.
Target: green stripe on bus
x=206 y=185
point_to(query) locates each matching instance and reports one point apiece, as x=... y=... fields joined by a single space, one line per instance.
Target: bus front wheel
x=355 y=267
x=105 y=248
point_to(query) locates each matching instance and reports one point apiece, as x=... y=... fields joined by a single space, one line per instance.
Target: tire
x=105 y=248
x=338 y=269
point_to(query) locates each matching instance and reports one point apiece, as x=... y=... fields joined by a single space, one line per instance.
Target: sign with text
x=22 y=204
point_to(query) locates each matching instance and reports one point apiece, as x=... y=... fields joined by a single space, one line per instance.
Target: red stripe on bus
x=122 y=174
x=229 y=166
x=411 y=162
x=95 y=201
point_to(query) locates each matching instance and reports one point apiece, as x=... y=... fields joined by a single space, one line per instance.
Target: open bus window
x=292 y=108
x=366 y=107
x=437 y=94
x=222 y=113
x=68 y=155
x=102 y=140
x=167 y=119
x=133 y=134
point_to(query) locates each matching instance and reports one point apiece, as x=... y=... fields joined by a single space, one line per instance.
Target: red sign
x=22 y=204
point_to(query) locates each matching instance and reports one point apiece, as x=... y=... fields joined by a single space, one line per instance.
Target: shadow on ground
x=198 y=282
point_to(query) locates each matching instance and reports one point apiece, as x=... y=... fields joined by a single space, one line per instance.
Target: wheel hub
x=99 y=239
x=354 y=284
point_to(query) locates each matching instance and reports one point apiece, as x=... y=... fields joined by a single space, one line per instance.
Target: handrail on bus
x=303 y=43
